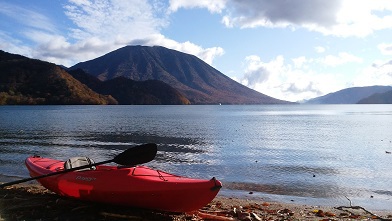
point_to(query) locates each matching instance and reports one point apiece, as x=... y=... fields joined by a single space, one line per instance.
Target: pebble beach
x=34 y=202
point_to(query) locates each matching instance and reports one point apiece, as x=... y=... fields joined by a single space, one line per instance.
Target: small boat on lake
x=135 y=186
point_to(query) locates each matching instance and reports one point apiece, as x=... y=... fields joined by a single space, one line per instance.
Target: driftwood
x=345 y=208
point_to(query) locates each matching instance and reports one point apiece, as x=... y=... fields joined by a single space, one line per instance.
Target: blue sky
x=287 y=49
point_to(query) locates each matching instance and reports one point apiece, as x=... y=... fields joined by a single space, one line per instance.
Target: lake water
x=307 y=154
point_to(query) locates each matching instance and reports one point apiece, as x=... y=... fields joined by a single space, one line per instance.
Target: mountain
x=198 y=81
x=29 y=81
x=127 y=91
x=349 y=96
x=378 y=98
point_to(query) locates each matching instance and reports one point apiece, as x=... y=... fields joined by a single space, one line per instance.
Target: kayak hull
x=138 y=186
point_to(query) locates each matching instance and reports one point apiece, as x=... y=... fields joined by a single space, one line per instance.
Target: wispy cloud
x=27 y=17
x=28 y=24
x=120 y=19
x=14 y=45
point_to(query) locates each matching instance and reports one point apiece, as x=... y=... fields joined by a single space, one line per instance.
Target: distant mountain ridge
x=378 y=98
x=30 y=81
x=349 y=95
x=199 y=82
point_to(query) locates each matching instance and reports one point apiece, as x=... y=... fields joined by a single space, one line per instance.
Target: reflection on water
x=98 y=145
x=321 y=152
x=292 y=189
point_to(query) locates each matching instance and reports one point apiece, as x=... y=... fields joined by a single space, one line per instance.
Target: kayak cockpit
x=74 y=162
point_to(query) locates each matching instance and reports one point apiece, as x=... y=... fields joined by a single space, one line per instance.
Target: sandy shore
x=33 y=202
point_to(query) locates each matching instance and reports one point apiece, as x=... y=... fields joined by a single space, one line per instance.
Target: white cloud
x=386 y=49
x=368 y=16
x=283 y=81
x=258 y=72
x=299 y=62
x=320 y=49
x=58 y=50
x=298 y=81
x=206 y=54
x=380 y=73
x=342 y=58
x=215 y=6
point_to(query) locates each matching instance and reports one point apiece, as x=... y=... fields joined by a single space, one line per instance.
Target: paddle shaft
x=55 y=173
x=132 y=156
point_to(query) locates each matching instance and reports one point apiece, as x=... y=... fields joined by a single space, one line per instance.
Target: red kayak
x=137 y=186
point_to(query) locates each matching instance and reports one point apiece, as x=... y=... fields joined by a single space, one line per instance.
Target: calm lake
x=307 y=154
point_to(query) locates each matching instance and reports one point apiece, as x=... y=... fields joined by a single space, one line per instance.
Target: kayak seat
x=78 y=162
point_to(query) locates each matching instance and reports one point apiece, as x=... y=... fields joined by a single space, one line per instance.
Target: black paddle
x=130 y=157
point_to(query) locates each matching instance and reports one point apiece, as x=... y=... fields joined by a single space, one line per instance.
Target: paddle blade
x=137 y=155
